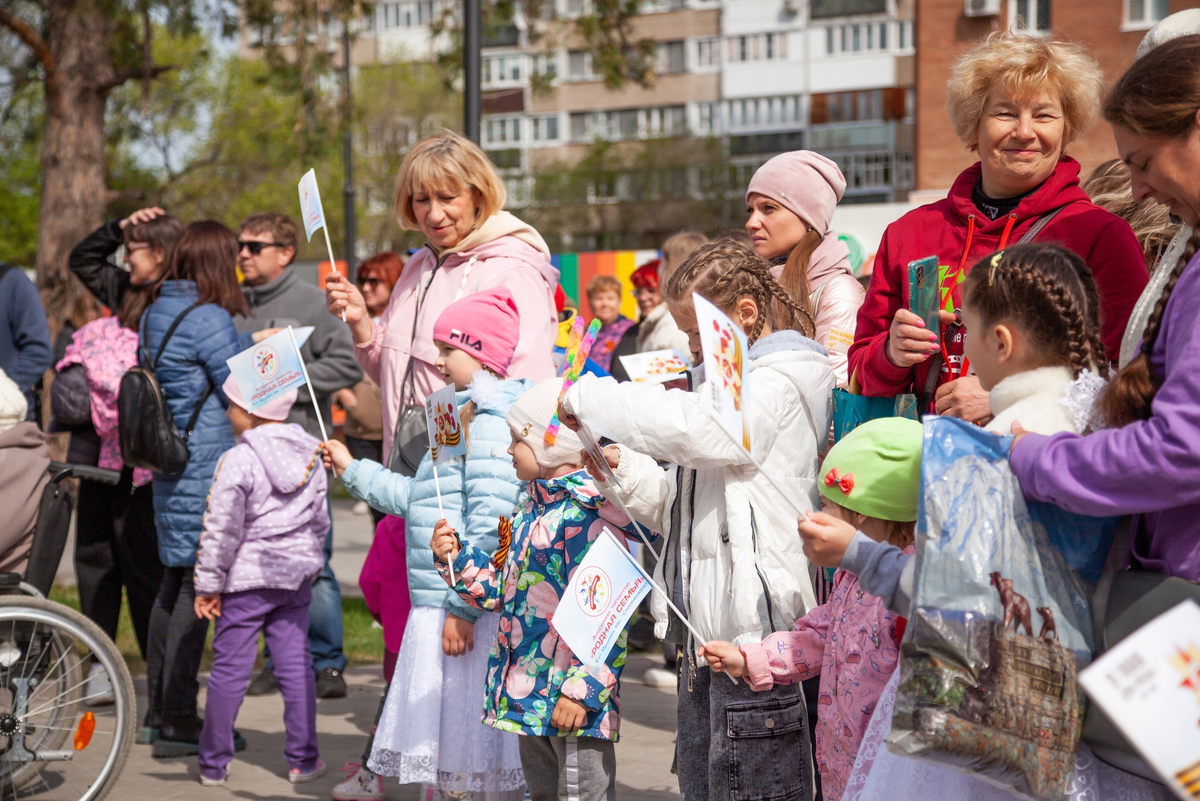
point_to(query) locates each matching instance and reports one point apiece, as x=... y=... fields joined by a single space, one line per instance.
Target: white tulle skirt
x=880 y=775
x=431 y=732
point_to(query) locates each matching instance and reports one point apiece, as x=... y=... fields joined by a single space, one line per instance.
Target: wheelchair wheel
x=52 y=744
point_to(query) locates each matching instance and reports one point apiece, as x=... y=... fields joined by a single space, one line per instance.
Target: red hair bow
x=844 y=482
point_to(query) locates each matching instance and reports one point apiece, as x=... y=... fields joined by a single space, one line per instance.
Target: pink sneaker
x=297 y=776
x=363 y=785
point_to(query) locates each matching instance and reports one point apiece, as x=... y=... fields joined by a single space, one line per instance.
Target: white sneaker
x=660 y=678
x=361 y=509
x=98 y=690
x=362 y=786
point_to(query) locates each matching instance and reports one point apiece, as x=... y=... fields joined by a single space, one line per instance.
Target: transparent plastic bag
x=1000 y=624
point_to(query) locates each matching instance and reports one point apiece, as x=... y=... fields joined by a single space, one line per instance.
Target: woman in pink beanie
x=790 y=202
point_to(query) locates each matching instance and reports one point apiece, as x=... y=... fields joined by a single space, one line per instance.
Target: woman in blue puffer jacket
x=199 y=285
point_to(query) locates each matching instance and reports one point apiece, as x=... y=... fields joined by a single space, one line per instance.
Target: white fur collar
x=1045 y=383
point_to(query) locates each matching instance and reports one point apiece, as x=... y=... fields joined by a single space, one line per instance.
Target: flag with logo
x=726 y=364
x=446 y=439
x=311 y=210
x=600 y=598
x=270 y=368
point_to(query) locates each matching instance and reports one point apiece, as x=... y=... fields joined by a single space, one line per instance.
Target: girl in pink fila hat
x=435 y=695
x=790 y=201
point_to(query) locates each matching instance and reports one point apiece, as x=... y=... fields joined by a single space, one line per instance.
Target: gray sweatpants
x=569 y=768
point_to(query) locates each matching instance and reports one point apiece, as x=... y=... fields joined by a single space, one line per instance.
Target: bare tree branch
x=133 y=73
x=31 y=38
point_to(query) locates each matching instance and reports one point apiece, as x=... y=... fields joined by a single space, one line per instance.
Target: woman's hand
x=724 y=657
x=826 y=538
x=963 y=398
x=343 y=297
x=259 y=336
x=909 y=341
x=208 y=606
x=141 y=216
x=458 y=636
x=568 y=420
x=612 y=455
x=568 y=715
x=337 y=457
x=445 y=542
x=346 y=399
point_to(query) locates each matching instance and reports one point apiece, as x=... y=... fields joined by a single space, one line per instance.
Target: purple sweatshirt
x=267 y=519
x=1150 y=467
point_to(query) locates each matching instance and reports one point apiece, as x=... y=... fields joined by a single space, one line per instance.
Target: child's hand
x=724 y=657
x=568 y=715
x=826 y=538
x=445 y=542
x=458 y=636
x=337 y=457
x=568 y=420
x=208 y=606
x=611 y=455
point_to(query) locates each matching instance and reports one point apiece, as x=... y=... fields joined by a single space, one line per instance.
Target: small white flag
x=726 y=365
x=311 y=210
x=446 y=438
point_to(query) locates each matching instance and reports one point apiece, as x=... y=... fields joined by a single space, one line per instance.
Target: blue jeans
x=324 y=615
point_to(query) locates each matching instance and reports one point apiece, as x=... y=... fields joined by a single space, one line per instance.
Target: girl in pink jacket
x=871 y=479
x=790 y=201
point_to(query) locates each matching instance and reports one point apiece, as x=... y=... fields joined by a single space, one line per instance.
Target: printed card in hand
x=655 y=366
x=726 y=358
x=446 y=439
x=1148 y=684
x=600 y=598
x=267 y=370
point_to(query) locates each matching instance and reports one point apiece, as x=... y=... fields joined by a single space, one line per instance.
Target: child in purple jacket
x=259 y=552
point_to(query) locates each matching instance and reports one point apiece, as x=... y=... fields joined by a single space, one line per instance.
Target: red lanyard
x=953 y=281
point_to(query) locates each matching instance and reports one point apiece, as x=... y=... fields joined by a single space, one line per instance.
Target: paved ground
x=644 y=752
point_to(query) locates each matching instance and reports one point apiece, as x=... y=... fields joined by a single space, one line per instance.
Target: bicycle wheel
x=45 y=650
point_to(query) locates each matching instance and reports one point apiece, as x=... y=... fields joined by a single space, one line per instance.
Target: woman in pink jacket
x=449 y=191
x=790 y=201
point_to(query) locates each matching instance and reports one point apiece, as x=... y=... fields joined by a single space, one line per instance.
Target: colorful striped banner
x=577 y=269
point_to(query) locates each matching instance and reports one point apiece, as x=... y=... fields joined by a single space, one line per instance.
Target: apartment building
x=1110 y=30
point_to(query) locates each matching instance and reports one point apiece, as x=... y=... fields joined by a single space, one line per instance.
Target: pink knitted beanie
x=805 y=183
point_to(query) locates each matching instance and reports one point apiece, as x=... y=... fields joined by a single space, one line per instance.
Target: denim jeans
x=738 y=745
x=324 y=614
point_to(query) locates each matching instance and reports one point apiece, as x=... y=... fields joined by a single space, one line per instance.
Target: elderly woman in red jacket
x=1017 y=101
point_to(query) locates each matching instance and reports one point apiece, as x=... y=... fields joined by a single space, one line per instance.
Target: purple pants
x=282 y=617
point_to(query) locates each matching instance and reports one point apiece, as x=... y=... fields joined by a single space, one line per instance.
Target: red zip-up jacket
x=949 y=227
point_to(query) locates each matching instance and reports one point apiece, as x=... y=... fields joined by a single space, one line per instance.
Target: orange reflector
x=83 y=733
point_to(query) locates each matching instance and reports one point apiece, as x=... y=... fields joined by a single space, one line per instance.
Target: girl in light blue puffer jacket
x=435 y=701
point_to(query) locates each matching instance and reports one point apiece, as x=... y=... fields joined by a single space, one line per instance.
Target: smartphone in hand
x=923 y=291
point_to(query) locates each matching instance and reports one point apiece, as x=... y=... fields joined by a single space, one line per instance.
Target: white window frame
x=1148 y=19
x=713 y=61
x=1025 y=25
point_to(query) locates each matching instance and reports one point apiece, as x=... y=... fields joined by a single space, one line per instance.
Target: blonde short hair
x=446 y=160
x=1023 y=65
x=603 y=283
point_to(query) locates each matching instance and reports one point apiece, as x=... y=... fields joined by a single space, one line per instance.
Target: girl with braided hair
x=731 y=556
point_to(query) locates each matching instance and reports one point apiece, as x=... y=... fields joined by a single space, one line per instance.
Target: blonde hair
x=1023 y=65
x=446 y=160
x=1109 y=188
x=603 y=283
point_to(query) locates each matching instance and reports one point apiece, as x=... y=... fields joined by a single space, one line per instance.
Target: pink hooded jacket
x=504 y=250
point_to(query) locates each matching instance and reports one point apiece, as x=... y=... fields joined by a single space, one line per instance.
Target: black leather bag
x=70 y=400
x=149 y=437
x=410 y=437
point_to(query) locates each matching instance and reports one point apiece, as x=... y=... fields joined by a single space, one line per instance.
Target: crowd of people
x=1063 y=319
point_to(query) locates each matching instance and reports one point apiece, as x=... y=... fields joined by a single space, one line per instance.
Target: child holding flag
x=433 y=702
x=260 y=549
x=872 y=480
x=732 y=560
x=567 y=715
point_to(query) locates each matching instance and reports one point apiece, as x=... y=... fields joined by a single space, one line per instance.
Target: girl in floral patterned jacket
x=871 y=479
x=535 y=685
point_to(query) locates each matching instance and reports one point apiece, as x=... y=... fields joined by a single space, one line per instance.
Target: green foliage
x=20 y=175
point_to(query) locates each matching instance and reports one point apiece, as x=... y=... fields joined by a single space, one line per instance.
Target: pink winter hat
x=277 y=410
x=485 y=325
x=803 y=182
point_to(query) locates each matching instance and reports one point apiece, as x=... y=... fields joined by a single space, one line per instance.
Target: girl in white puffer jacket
x=732 y=559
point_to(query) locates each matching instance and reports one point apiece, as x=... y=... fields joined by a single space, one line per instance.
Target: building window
x=708 y=117
x=544 y=129
x=501 y=131
x=579 y=66
x=829 y=41
x=883 y=36
x=499 y=70
x=672 y=58
x=707 y=53
x=1030 y=16
x=545 y=64
x=1144 y=13
x=759 y=47
x=906 y=34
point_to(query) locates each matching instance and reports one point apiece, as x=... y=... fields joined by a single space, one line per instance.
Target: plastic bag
x=1000 y=623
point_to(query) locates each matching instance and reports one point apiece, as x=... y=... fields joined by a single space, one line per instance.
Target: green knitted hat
x=875 y=470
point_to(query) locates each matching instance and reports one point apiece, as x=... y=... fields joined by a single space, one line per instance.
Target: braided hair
x=1130 y=395
x=726 y=270
x=1048 y=292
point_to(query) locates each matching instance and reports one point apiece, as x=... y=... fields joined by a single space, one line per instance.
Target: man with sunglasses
x=277 y=299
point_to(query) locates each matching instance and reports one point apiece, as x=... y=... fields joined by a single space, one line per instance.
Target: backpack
x=149 y=437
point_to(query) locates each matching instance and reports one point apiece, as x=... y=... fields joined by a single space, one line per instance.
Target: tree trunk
x=73 y=188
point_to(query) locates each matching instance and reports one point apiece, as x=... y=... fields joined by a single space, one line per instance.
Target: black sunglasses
x=256 y=247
